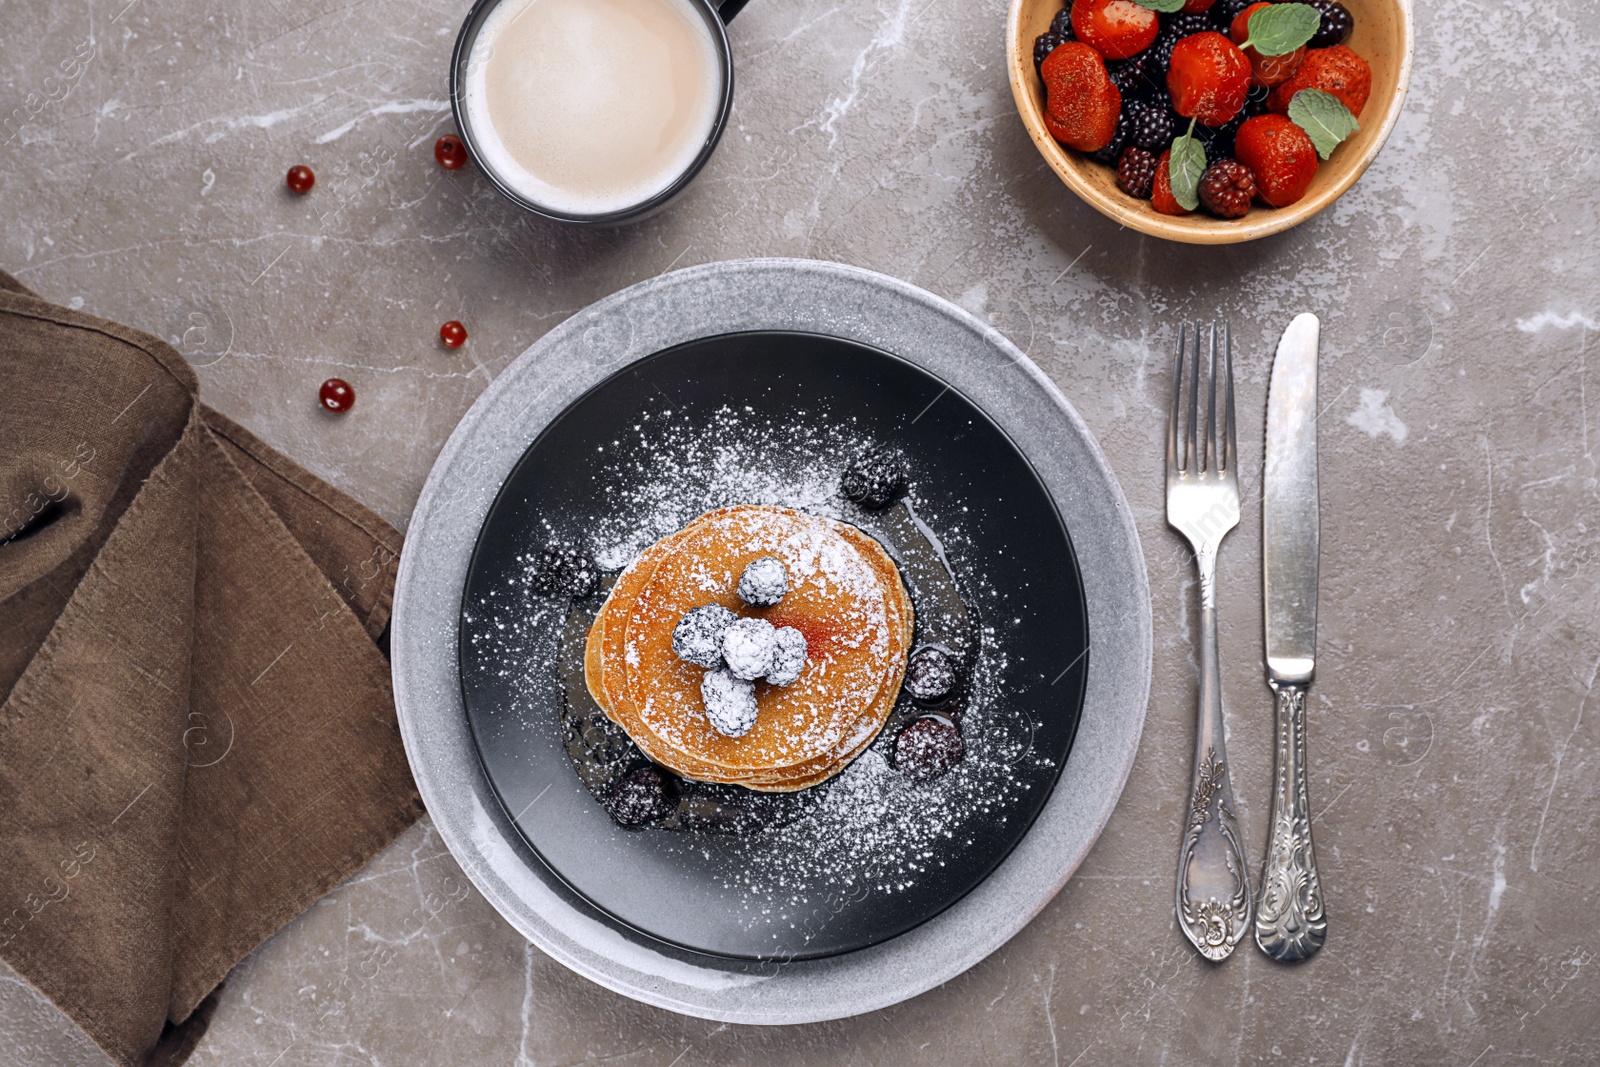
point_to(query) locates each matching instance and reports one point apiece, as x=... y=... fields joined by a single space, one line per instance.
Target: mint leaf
x=1166 y=6
x=1278 y=29
x=1184 y=168
x=1324 y=117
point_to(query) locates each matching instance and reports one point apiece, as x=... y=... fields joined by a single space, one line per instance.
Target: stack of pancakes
x=845 y=595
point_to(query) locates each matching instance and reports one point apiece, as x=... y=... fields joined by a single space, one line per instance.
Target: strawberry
x=1197 y=7
x=1081 y=104
x=1117 y=29
x=1264 y=70
x=1161 y=190
x=1209 y=78
x=1281 y=156
x=1335 y=70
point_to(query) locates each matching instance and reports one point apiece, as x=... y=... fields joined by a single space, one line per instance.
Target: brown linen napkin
x=197 y=734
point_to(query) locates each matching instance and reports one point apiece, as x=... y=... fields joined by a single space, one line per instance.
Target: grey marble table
x=1455 y=761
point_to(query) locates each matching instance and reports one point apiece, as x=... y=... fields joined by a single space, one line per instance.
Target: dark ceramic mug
x=716 y=17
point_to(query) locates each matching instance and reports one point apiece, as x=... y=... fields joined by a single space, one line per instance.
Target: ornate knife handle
x=1290 y=923
x=1213 y=885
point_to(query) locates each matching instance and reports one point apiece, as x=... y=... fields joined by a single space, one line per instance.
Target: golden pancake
x=845 y=595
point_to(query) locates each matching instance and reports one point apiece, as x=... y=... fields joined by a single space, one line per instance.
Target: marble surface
x=1455 y=757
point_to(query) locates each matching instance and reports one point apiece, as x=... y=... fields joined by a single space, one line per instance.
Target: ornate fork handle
x=1213 y=885
x=1290 y=923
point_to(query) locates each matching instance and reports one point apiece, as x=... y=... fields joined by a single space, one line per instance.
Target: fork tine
x=1173 y=467
x=1193 y=458
x=1213 y=431
x=1231 y=459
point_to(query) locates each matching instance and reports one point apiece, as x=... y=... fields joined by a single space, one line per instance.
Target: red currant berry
x=450 y=152
x=337 y=396
x=453 y=334
x=300 y=179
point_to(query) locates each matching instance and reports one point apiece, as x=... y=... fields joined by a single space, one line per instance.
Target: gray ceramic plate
x=730 y=298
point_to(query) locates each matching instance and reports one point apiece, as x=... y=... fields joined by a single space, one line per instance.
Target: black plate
x=772 y=418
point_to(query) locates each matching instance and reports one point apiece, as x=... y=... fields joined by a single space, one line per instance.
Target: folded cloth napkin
x=197 y=734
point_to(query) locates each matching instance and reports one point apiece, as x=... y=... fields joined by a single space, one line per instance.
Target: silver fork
x=1203 y=505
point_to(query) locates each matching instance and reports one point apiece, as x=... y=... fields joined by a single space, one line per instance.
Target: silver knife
x=1290 y=923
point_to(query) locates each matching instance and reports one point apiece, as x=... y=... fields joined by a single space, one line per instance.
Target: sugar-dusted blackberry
x=763 y=582
x=931 y=675
x=1153 y=129
x=1337 y=24
x=929 y=748
x=1227 y=187
x=1043 y=45
x=730 y=702
x=641 y=796
x=1061 y=25
x=874 y=479
x=1136 y=172
x=1119 y=139
x=1223 y=12
x=697 y=638
x=563 y=570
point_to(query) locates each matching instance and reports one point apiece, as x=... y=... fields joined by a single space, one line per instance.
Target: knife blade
x=1289 y=510
x=1290 y=921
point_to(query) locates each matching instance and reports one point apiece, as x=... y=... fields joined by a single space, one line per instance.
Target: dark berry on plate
x=931 y=675
x=1337 y=24
x=1136 y=172
x=450 y=152
x=929 y=748
x=1226 y=188
x=643 y=795
x=747 y=647
x=563 y=570
x=453 y=334
x=300 y=179
x=1061 y=25
x=1043 y=45
x=1152 y=129
x=730 y=701
x=874 y=479
x=1117 y=29
x=697 y=638
x=763 y=582
x=336 y=395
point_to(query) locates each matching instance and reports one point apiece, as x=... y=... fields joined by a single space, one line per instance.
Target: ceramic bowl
x=1383 y=37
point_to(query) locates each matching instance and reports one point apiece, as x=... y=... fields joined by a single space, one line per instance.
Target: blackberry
x=1119 y=139
x=1128 y=74
x=873 y=480
x=1223 y=12
x=763 y=582
x=1043 y=45
x=1255 y=103
x=1337 y=24
x=931 y=676
x=1218 y=140
x=643 y=795
x=929 y=748
x=562 y=570
x=1061 y=25
x=1227 y=187
x=1136 y=172
x=1187 y=24
x=697 y=638
x=1153 y=129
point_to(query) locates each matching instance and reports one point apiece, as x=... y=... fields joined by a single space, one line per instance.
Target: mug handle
x=729 y=8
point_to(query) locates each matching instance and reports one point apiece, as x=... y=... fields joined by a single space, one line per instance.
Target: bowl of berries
x=1209 y=121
